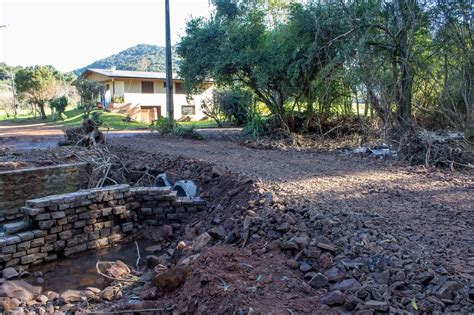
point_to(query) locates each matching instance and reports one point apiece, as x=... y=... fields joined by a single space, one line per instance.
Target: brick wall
x=19 y=185
x=62 y=225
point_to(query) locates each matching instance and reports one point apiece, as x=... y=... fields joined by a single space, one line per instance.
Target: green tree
x=278 y=62
x=59 y=105
x=89 y=92
x=36 y=85
x=234 y=103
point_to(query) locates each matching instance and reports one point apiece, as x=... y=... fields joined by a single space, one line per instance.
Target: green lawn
x=74 y=118
x=110 y=120
x=199 y=124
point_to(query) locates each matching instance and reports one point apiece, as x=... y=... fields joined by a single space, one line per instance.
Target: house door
x=150 y=113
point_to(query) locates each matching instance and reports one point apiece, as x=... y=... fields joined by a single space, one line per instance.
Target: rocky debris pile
x=20 y=297
x=216 y=279
x=357 y=264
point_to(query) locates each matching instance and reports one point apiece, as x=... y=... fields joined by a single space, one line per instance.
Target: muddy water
x=79 y=272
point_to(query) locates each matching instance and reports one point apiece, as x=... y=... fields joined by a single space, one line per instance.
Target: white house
x=142 y=95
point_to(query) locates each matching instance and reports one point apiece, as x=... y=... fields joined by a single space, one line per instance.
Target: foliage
x=164 y=127
x=234 y=103
x=37 y=85
x=186 y=132
x=211 y=109
x=59 y=105
x=89 y=91
x=118 y=99
x=257 y=126
x=141 y=57
x=409 y=62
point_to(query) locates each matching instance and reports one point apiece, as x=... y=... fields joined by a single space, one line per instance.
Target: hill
x=142 y=57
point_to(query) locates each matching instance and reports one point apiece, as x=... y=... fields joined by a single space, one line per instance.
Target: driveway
x=41 y=135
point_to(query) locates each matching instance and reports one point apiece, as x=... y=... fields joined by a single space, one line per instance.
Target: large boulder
x=71 y=296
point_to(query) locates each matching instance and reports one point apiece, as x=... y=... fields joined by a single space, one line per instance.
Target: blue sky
x=69 y=34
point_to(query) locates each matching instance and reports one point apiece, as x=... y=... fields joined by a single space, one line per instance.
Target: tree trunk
x=366 y=107
x=405 y=97
x=357 y=102
x=404 y=82
x=42 y=111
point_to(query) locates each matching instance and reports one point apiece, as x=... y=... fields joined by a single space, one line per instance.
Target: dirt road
x=18 y=136
x=404 y=214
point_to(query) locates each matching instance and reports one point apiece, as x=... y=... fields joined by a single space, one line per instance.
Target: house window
x=179 y=87
x=147 y=87
x=188 y=110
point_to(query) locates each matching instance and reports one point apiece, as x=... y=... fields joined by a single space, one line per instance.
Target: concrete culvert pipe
x=185 y=188
x=162 y=181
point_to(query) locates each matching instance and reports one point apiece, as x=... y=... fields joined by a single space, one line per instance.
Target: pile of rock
x=354 y=264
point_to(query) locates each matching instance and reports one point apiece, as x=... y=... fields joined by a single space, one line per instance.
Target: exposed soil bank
x=399 y=233
x=310 y=232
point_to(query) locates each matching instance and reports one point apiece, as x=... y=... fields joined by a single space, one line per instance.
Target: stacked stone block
x=62 y=225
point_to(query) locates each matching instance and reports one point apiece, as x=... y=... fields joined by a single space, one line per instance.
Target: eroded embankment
x=185 y=246
x=354 y=251
x=255 y=250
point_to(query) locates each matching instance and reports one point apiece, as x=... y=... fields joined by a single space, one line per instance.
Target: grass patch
x=75 y=117
x=198 y=124
x=110 y=120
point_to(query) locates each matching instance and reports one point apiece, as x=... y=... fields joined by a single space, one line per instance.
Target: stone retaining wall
x=17 y=186
x=62 y=225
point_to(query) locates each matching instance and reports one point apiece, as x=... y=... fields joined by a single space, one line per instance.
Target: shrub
x=59 y=105
x=186 y=132
x=257 y=126
x=164 y=127
x=118 y=99
x=235 y=103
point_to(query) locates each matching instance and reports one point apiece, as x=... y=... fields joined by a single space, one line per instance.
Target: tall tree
x=89 y=92
x=37 y=85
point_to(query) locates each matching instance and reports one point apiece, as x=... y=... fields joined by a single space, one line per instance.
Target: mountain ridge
x=141 y=57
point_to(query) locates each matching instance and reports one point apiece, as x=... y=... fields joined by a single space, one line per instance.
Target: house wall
x=131 y=90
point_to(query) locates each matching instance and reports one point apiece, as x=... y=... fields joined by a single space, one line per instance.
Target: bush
x=186 y=132
x=118 y=99
x=256 y=127
x=164 y=127
x=235 y=103
x=59 y=105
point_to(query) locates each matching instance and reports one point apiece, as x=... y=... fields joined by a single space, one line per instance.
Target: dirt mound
x=226 y=280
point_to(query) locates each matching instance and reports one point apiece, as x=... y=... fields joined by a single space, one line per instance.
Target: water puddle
x=78 y=272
